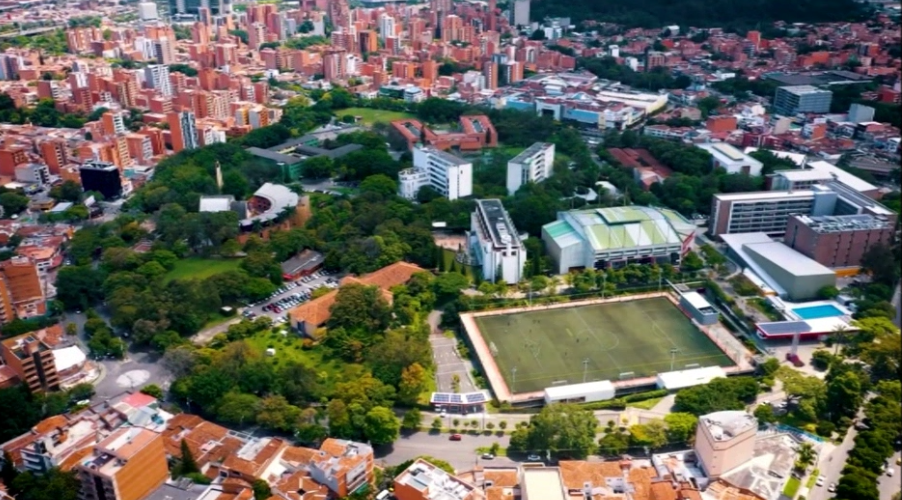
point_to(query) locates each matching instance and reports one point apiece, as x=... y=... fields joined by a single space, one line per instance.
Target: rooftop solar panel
x=784 y=327
x=475 y=397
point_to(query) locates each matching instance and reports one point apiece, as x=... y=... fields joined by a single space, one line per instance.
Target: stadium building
x=616 y=236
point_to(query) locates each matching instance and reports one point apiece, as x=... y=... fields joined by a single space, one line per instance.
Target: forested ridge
x=699 y=13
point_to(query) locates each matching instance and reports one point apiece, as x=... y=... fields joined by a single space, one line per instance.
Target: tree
x=53 y=485
x=718 y=395
x=652 y=434
x=358 y=306
x=437 y=424
x=878 y=261
x=562 y=429
x=414 y=379
x=238 y=408
x=153 y=390
x=765 y=414
x=381 y=426
x=680 y=427
x=805 y=456
x=449 y=285
x=412 y=420
x=844 y=395
x=261 y=489
x=437 y=462
x=614 y=443
x=318 y=167
x=187 y=464
x=13 y=203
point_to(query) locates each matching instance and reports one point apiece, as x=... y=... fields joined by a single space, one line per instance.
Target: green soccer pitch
x=601 y=342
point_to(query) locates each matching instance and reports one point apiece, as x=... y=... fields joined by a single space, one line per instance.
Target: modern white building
x=587 y=392
x=732 y=160
x=534 y=164
x=449 y=175
x=495 y=244
x=386 y=26
x=147 y=11
x=157 y=78
x=519 y=13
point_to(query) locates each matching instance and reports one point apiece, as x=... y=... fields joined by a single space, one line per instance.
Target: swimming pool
x=818 y=311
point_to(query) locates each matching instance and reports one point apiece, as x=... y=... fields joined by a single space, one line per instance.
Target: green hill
x=699 y=13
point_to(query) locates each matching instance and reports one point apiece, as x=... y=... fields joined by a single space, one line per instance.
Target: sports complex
x=626 y=340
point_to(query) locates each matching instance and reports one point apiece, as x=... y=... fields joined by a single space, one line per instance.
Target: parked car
x=832 y=488
x=820 y=480
x=532 y=457
x=488 y=456
x=455 y=437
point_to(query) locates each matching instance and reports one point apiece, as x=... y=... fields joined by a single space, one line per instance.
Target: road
x=138 y=369
x=461 y=454
x=889 y=485
x=831 y=464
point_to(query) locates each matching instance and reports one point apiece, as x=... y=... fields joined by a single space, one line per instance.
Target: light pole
x=673 y=352
x=514 y=379
x=585 y=369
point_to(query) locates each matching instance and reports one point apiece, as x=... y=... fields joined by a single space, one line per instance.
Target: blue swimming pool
x=819 y=311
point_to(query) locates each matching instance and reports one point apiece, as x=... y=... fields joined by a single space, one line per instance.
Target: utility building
x=495 y=243
x=534 y=164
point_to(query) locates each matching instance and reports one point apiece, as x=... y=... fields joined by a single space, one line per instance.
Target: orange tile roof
x=51 y=423
x=663 y=490
x=576 y=473
x=75 y=458
x=299 y=486
x=296 y=456
x=318 y=311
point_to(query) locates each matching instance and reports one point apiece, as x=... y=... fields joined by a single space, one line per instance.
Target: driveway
x=830 y=465
x=448 y=361
x=889 y=485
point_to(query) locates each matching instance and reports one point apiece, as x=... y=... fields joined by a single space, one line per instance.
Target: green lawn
x=792 y=487
x=595 y=342
x=368 y=116
x=289 y=347
x=196 y=267
x=648 y=404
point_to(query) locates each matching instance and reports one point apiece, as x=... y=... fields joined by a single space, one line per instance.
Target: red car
x=455 y=437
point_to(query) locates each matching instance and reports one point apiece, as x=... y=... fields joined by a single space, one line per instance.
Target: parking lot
x=290 y=295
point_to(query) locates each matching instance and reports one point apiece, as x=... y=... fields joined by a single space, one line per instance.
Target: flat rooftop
x=843 y=223
x=544 y=483
x=769 y=469
x=500 y=227
x=726 y=425
x=531 y=151
x=435 y=483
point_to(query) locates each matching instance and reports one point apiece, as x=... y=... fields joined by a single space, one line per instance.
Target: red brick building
x=840 y=240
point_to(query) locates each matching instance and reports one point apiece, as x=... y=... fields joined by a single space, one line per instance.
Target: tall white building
x=386 y=26
x=188 y=128
x=495 y=244
x=449 y=175
x=157 y=78
x=147 y=11
x=534 y=164
x=519 y=12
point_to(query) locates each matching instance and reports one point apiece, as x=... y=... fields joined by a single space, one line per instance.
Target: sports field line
x=694 y=358
x=569 y=333
x=592 y=333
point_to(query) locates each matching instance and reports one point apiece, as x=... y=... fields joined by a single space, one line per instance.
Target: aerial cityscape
x=450 y=250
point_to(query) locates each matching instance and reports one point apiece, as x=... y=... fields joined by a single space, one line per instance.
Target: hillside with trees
x=659 y=13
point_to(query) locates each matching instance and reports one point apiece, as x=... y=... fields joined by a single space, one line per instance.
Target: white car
x=890 y=472
x=820 y=480
x=832 y=488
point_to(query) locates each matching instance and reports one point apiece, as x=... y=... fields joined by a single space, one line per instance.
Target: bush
x=198 y=478
x=821 y=359
x=825 y=428
x=744 y=286
x=644 y=396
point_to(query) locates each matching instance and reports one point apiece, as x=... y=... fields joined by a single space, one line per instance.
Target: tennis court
x=539 y=348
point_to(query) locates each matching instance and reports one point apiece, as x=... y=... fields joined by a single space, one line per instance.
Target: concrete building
x=787 y=272
x=102 y=177
x=519 y=13
x=495 y=243
x=731 y=159
x=449 y=175
x=127 y=465
x=838 y=241
x=792 y=100
x=769 y=211
x=580 y=393
x=21 y=292
x=32 y=361
x=156 y=76
x=424 y=481
x=859 y=113
x=724 y=440
x=534 y=164
x=699 y=308
x=616 y=236
x=183 y=130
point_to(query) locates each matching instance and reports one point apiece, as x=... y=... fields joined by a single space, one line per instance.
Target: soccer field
x=601 y=342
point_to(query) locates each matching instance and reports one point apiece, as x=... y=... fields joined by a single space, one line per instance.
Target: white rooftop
x=68 y=357
x=842 y=176
x=688 y=378
x=725 y=425
x=575 y=390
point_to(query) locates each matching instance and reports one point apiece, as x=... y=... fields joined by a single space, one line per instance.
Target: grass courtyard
x=198 y=268
x=557 y=346
x=368 y=116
